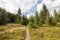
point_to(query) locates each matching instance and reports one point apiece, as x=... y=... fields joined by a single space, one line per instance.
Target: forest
x=39 y=20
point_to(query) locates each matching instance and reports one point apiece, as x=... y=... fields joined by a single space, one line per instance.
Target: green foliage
x=17 y=19
x=44 y=9
x=11 y=17
x=44 y=18
x=18 y=16
x=24 y=20
x=56 y=16
x=19 y=12
x=43 y=15
x=7 y=17
x=47 y=18
x=3 y=17
x=52 y=21
x=31 y=22
x=36 y=19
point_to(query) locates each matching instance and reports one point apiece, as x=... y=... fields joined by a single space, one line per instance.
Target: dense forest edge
x=39 y=20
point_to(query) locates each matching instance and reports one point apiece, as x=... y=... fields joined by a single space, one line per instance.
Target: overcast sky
x=28 y=7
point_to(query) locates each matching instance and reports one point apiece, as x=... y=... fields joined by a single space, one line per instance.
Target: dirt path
x=27 y=34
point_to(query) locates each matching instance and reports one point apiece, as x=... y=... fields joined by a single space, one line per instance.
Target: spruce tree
x=47 y=18
x=36 y=19
x=55 y=16
x=18 y=16
x=58 y=19
x=23 y=20
x=17 y=20
x=19 y=12
x=43 y=15
x=31 y=22
x=41 y=19
x=52 y=21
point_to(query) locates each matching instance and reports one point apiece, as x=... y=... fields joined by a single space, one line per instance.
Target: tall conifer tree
x=31 y=22
x=23 y=20
x=18 y=16
x=36 y=19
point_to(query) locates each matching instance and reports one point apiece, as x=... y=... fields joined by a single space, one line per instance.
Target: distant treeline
x=7 y=17
x=40 y=19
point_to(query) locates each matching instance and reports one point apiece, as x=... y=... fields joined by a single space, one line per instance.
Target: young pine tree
x=56 y=16
x=18 y=16
x=36 y=20
x=47 y=18
x=23 y=20
x=41 y=19
x=31 y=22
x=52 y=21
x=43 y=14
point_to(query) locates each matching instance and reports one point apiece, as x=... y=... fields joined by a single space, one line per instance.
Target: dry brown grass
x=45 y=33
x=12 y=32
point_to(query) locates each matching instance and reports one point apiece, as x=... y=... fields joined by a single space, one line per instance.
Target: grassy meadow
x=17 y=32
x=12 y=32
x=45 y=33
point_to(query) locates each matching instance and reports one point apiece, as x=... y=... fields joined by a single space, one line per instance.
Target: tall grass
x=45 y=33
x=6 y=34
